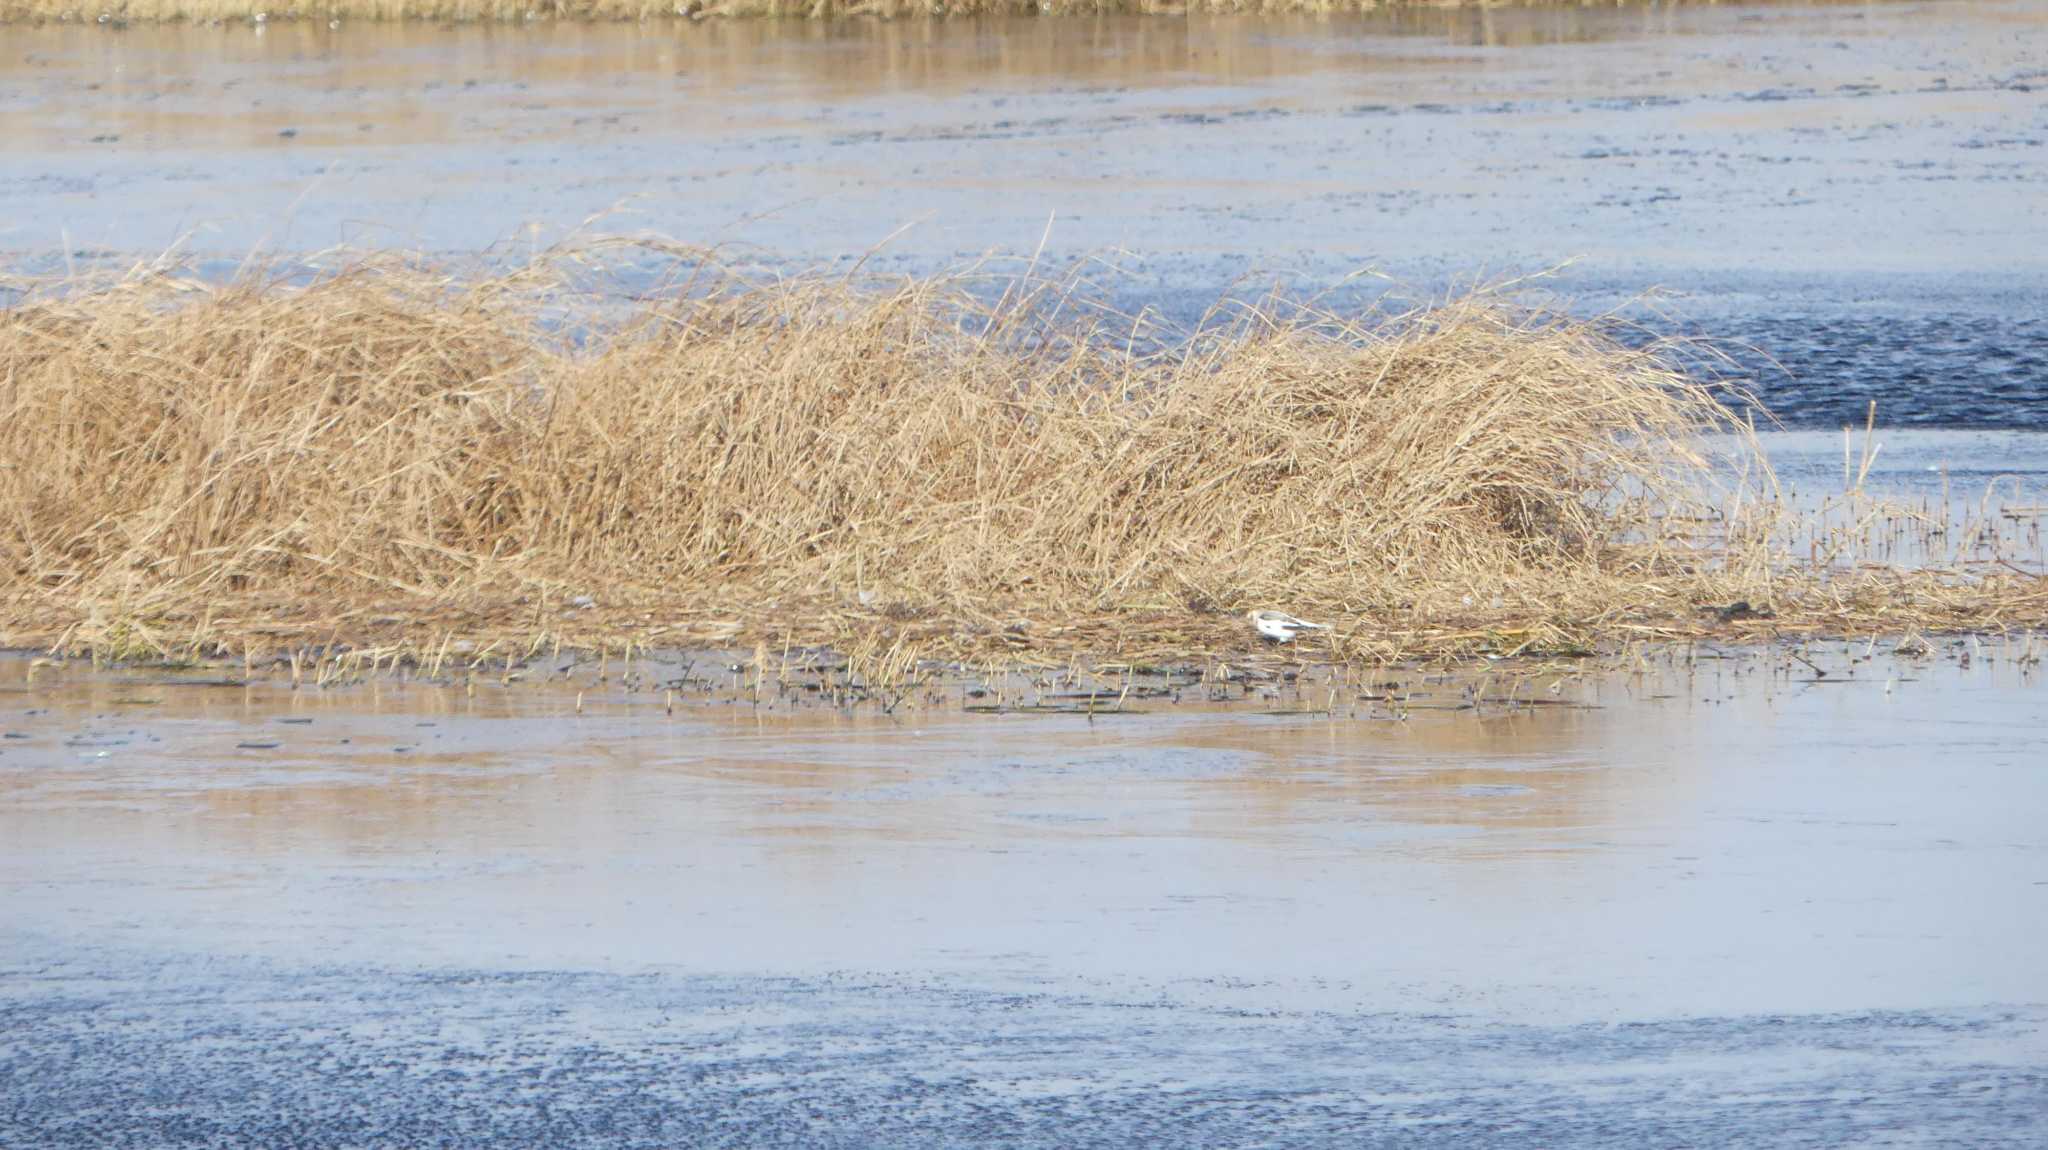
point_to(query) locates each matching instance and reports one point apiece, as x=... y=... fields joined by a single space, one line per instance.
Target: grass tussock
x=209 y=11
x=389 y=448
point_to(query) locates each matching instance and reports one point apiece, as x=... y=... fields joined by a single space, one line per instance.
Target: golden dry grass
x=391 y=452
x=205 y=11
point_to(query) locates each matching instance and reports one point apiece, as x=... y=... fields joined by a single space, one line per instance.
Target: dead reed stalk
x=394 y=448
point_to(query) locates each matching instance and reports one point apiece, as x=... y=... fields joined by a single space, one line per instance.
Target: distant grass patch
x=205 y=11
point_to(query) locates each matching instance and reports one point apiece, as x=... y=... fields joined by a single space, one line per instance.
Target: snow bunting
x=1281 y=627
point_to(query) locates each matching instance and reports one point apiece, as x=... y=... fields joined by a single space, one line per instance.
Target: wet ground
x=1849 y=194
x=1708 y=897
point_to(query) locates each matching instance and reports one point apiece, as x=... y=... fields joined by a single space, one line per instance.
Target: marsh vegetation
x=966 y=464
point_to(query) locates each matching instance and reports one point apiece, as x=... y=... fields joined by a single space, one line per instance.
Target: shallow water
x=1966 y=501
x=1693 y=901
x=1849 y=194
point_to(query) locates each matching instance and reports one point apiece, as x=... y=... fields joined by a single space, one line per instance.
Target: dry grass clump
x=389 y=447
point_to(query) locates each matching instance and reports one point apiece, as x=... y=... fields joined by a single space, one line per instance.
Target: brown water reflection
x=1647 y=854
x=845 y=57
x=300 y=83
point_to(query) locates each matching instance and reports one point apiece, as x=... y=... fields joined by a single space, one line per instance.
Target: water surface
x=1693 y=897
x=1691 y=901
x=1849 y=194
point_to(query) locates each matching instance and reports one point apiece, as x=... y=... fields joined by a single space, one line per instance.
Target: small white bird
x=1281 y=627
